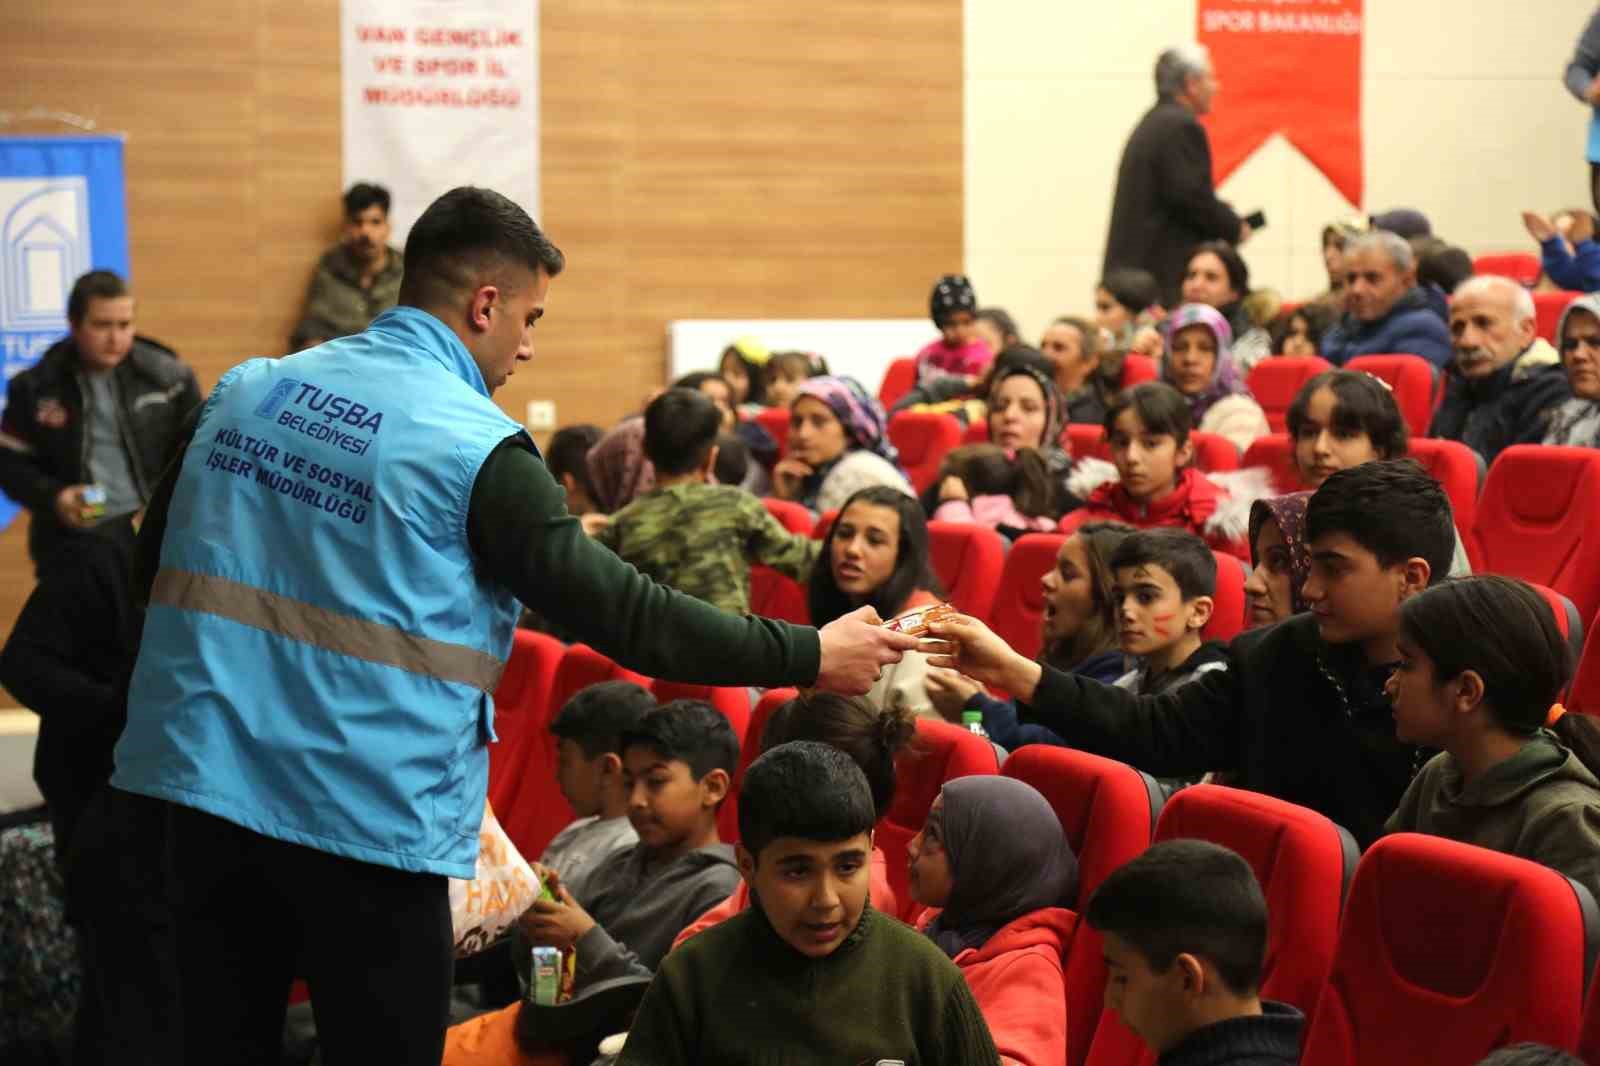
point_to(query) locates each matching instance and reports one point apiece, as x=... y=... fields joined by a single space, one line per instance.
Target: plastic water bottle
x=973 y=720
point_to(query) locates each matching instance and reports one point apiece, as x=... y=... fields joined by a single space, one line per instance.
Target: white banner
x=440 y=93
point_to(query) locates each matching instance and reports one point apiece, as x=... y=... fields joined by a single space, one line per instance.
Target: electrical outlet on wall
x=541 y=416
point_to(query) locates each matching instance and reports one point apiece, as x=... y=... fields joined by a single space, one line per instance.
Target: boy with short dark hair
x=1300 y=714
x=696 y=536
x=1185 y=927
x=1165 y=583
x=589 y=731
x=810 y=970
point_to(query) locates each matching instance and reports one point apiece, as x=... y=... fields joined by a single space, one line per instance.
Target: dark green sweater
x=738 y=993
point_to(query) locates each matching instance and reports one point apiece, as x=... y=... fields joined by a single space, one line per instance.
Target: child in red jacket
x=993 y=855
x=1154 y=483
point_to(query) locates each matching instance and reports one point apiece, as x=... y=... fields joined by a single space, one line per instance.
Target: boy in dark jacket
x=1166 y=581
x=1185 y=927
x=1385 y=310
x=809 y=972
x=1301 y=713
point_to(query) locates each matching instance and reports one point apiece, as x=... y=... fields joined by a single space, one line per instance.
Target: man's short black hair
x=687 y=731
x=362 y=195
x=680 y=429
x=595 y=718
x=1392 y=508
x=1160 y=407
x=803 y=789
x=1186 y=897
x=568 y=453
x=1177 y=551
x=1529 y=1054
x=95 y=285
x=467 y=237
x=695 y=378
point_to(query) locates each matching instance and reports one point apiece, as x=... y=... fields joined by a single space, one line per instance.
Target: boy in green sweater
x=810 y=971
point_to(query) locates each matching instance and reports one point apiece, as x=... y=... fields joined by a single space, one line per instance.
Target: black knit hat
x=952 y=293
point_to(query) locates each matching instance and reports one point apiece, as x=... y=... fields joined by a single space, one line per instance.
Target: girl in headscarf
x=838 y=444
x=1281 y=557
x=1576 y=421
x=1200 y=365
x=993 y=855
x=1218 y=277
x=959 y=351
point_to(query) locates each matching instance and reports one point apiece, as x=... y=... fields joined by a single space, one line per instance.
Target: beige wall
x=1463 y=108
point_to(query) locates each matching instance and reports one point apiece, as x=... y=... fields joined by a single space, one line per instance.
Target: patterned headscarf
x=861 y=414
x=951 y=293
x=1289 y=512
x=618 y=467
x=1055 y=407
x=1225 y=379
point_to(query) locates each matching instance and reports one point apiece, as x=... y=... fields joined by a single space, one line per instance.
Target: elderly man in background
x=1165 y=202
x=1506 y=379
x=1385 y=311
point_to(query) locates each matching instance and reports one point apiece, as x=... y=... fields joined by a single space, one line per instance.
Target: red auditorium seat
x=771 y=700
x=772 y=595
x=969 y=560
x=1088 y=439
x=1212 y=453
x=734 y=703
x=1227 y=616
x=775 y=420
x=1304 y=863
x=1536 y=505
x=1568 y=621
x=1447 y=951
x=1522 y=267
x=535 y=811
x=1137 y=369
x=1412 y=380
x=976 y=432
x=923 y=439
x=1019 y=601
x=897 y=381
x=942 y=752
x=1584 y=694
x=1275 y=381
x=796 y=517
x=1589 y=1035
x=1108 y=811
x=1547 y=308
x=1275 y=452
x=520 y=700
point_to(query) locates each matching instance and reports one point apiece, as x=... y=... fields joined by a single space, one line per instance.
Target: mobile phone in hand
x=1256 y=221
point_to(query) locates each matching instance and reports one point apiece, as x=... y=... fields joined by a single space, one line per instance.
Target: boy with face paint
x=810 y=970
x=1166 y=581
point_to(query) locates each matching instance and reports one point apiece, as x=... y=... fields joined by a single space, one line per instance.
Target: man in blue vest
x=341 y=554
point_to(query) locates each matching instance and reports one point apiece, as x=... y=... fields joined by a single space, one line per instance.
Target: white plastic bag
x=486 y=906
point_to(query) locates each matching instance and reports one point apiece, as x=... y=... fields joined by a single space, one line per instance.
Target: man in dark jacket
x=1505 y=376
x=1385 y=311
x=101 y=410
x=1301 y=714
x=1165 y=202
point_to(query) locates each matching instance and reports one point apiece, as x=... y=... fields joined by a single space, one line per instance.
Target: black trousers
x=251 y=913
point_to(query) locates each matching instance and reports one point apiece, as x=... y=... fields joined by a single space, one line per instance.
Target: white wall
x=1463 y=108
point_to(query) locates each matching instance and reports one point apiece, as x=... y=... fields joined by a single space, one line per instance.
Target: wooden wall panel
x=712 y=158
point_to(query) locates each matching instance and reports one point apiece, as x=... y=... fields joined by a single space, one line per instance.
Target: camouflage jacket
x=337 y=305
x=701 y=540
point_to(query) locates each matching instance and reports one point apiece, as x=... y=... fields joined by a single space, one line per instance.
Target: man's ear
x=1469 y=691
x=747 y=864
x=484 y=303
x=1414 y=576
x=714 y=787
x=569 y=483
x=1199 y=612
x=1191 y=972
x=610 y=764
x=1527 y=331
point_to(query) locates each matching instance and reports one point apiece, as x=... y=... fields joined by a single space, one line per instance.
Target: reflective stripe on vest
x=342 y=634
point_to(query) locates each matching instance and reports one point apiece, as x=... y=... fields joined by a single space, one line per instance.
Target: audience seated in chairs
x=1576 y=421
x=1384 y=309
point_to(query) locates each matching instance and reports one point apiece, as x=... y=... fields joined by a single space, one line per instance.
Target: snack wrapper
x=915 y=623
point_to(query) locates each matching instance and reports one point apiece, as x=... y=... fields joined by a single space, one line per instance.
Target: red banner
x=1291 y=67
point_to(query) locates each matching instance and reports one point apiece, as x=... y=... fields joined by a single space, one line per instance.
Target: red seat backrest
x=520 y=700
x=1569 y=623
x=1412 y=380
x=969 y=560
x=1584 y=694
x=1304 y=863
x=1213 y=453
x=1275 y=452
x=976 y=432
x=733 y=703
x=1086 y=438
x=1108 y=811
x=1019 y=601
x=775 y=420
x=1522 y=267
x=1228 y=612
x=1547 y=308
x=1537 y=504
x=771 y=700
x=942 y=752
x=1275 y=382
x=796 y=517
x=1447 y=951
x=923 y=438
x=819 y=531
x=775 y=595
x=898 y=379
x=1137 y=369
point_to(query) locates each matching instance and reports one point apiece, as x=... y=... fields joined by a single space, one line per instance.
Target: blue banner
x=63 y=213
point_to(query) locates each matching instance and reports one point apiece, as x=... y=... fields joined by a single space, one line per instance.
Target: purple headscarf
x=859 y=412
x=1225 y=379
x=618 y=467
x=1289 y=514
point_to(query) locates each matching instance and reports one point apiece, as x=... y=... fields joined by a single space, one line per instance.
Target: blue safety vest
x=320 y=650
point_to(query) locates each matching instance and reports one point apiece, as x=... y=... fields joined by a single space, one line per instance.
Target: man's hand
x=71 y=511
x=594 y=522
x=949 y=692
x=556 y=924
x=787 y=477
x=952 y=488
x=1148 y=342
x=855 y=649
x=982 y=656
x=1539 y=227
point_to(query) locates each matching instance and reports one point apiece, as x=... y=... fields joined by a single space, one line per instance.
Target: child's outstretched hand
x=982 y=656
x=558 y=923
x=949 y=692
